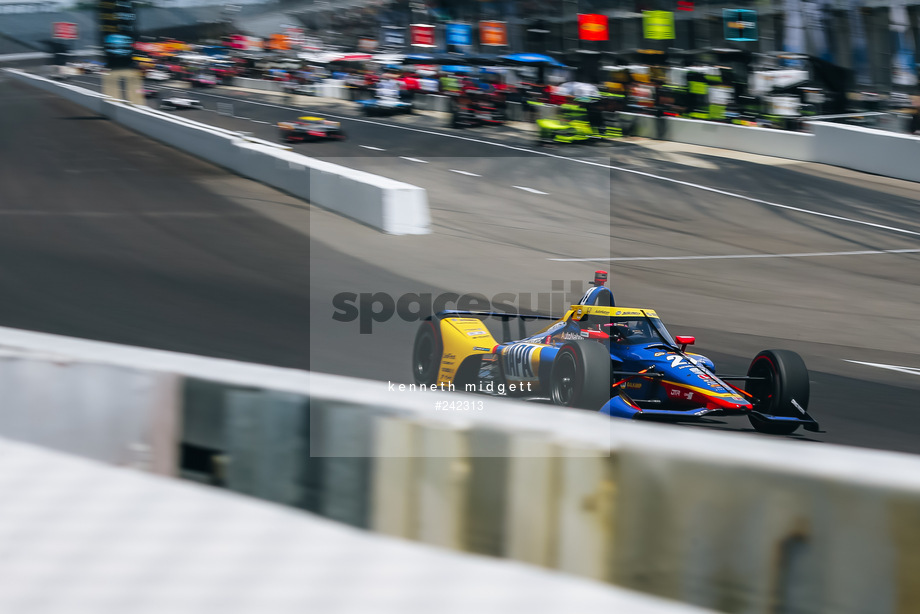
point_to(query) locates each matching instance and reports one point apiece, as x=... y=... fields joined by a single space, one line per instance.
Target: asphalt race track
x=108 y=235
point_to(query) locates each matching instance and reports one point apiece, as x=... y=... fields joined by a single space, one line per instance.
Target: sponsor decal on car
x=519 y=361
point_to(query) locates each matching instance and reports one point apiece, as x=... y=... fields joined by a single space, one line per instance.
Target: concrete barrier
x=725 y=521
x=864 y=149
x=214 y=145
x=328 y=88
x=391 y=206
x=87 y=99
x=332 y=88
x=515 y=112
x=68 y=524
x=732 y=523
x=118 y=415
x=763 y=141
x=258 y=84
x=34 y=59
x=638 y=124
x=433 y=102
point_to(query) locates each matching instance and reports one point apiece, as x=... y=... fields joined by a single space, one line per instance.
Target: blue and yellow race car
x=621 y=361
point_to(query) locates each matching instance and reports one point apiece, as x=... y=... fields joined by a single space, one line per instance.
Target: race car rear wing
x=504 y=316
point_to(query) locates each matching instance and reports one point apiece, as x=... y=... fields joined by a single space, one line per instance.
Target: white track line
x=740 y=256
x=453 y=170
x=414 y=160
x=908 y=370
x=531 y=190
x=587 y=162
x=372 y=147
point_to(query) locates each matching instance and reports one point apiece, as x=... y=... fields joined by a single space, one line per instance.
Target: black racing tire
x=785 y=383
x=581 y=376
x=426 y=354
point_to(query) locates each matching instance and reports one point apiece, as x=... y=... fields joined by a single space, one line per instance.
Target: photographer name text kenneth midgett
x=480 y=387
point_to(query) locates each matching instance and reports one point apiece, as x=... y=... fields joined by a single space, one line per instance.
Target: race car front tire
x=426 y=354
x=782 y=389
x=581 y=375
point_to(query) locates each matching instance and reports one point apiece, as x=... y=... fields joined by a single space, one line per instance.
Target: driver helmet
x=600 y=294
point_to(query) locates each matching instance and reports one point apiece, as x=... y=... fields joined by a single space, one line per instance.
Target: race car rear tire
x=426 y=354
x=581 y=376
x=785 y=383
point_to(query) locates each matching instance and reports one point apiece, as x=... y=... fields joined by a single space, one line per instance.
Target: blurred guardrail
x=762 y=141
x=881 y=152
x=732 y=522
x=78 y=536
x=259 y=84
x=327 y=88
x=392 y=206
x=35 y=58
x=865 y=149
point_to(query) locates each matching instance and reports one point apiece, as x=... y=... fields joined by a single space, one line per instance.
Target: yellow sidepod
x=462 y=338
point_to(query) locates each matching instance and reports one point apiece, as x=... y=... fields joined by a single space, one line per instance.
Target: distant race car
x=620 y=361
x=474 y=108
x=203 y=80
x=310 y=129
x=156 y=75
x=178 y=103
x=385 y=105
x=149 y=92
x=300 y=89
